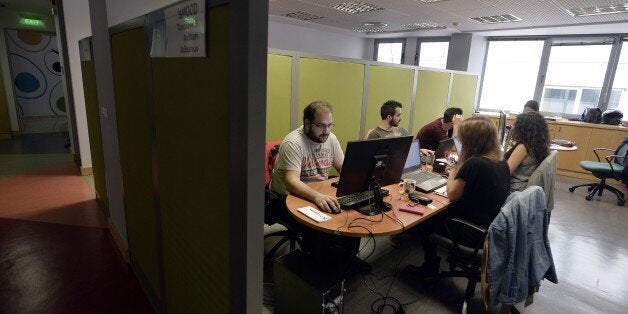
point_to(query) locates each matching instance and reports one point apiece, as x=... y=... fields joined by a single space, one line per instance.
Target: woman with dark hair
x=531 y=137
x=477 y=187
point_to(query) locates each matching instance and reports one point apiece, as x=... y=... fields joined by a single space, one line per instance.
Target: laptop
x=425 y=181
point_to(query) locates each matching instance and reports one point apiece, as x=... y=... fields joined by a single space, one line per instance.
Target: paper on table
x=441 y=191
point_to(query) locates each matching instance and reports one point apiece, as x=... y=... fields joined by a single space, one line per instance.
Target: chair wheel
x=571 y=189
x=589 y=197
x=621 y=203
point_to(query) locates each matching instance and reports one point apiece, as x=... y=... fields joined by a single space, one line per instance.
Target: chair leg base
x=598 y=188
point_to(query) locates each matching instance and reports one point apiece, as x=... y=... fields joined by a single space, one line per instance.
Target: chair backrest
x=621 y=152
x=272 y=149
x=543 y=176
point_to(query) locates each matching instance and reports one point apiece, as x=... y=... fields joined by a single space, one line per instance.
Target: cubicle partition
x=129 y=62
x=92 y=113
x=357 y=89
x=190 y=142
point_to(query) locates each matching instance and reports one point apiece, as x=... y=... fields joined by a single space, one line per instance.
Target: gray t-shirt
x=519 y=178
x=381 y=133
x=314 y=160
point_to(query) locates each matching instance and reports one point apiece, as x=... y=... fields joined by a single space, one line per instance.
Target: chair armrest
x=601 y=148
x=609 y=158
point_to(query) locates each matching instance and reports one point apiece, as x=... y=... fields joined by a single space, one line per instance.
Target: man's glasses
x=323 y=126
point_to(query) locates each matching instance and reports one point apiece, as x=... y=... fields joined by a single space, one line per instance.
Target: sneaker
x=426 y=270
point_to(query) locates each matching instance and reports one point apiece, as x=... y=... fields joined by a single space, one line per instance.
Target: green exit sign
x=31 y=22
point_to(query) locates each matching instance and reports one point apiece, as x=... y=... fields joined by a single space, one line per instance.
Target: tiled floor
x=56 y=254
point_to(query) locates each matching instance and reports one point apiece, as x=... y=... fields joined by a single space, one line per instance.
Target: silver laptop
x=426 y=181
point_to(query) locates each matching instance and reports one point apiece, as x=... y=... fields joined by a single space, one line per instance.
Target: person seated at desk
x=531 y=138
x=531 y=106
x=477 y=187
x=438 y=130
x=391 y=116
x=307 y=155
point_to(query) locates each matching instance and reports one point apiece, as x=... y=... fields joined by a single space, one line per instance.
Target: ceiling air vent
x=504 y=18
x=430 y=1
x=356 y=7
x=599 y=10
x=368 y=30
x=303 y=16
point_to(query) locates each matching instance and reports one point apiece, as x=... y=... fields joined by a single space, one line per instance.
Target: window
x=511 y=73
x=619 y=93
x=433 y=54
x=566 y=74
x=578 y=69
x=391 y=51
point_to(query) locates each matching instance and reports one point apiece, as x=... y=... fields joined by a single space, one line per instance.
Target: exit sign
x=31 y=22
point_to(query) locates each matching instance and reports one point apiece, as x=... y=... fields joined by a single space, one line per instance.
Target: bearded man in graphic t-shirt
x=307 y=155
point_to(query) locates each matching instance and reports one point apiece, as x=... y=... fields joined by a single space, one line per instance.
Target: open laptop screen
x=414 y=157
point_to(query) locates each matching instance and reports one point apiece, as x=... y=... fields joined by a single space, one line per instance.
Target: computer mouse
x=336 y=210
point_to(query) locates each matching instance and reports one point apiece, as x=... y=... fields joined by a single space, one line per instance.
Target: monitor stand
x=373 y=209
x=378 y=206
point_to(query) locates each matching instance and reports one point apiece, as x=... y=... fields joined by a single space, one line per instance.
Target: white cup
x=407 y=186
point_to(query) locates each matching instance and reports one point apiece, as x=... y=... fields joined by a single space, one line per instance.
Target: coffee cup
x=407 y=186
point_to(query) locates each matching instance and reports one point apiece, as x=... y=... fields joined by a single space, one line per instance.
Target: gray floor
x=589 y=243
x=36 y=143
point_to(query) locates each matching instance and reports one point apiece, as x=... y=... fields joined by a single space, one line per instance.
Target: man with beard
x=307 y=155
x=391 y=116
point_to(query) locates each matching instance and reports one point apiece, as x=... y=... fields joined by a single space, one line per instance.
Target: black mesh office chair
x=464 y=241
x=612 y=168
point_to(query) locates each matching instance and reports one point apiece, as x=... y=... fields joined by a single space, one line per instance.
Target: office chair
x=612 y=168
x=465 y=254
x=543 y=176
x=274 y=205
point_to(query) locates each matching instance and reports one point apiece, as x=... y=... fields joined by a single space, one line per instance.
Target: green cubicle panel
x=339 y=83
x=431 y=97
x=128 y=52
x=191 y=98
x=463 y=89
x=279 y=91
x=94 y=131
x=388 y=83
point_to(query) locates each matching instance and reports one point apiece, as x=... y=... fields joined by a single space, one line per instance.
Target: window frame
x=615 y=40
x=402 y=41
x=421 y=40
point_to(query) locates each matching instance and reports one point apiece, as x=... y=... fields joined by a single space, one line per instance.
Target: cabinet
x=570 y=160
x=601 y=138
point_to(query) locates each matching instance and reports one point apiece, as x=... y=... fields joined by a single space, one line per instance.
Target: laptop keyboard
x=426 y=181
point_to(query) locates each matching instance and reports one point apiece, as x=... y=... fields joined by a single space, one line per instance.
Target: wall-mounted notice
x=185 y=29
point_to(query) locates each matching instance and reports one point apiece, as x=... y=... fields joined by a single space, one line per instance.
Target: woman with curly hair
x=531 y=137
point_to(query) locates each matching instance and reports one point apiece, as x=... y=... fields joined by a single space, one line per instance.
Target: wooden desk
x=339 y=223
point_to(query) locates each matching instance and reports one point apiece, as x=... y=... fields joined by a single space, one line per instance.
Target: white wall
x=10 y=20
x=120 y=11
x=320 y=42
x=77 y=26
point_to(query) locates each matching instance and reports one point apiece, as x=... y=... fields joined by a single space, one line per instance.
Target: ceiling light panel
x=494 y=19
x=303 y=16
x=356 y=7
x=422 y=25
x=431 y=1
x=599 y=10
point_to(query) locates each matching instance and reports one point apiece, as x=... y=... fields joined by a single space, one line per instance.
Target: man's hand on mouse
x=327 y=203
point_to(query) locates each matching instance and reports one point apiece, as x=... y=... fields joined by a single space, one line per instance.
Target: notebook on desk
x=425 y=181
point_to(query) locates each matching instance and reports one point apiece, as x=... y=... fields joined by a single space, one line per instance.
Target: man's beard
x=394 y=123
x=320 y=139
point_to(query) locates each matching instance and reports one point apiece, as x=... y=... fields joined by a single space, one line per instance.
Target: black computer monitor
x=373 y=163
x=501 y=127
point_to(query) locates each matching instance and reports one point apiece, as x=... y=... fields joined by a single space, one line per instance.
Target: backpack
x=612 y=117
x=592 y=115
